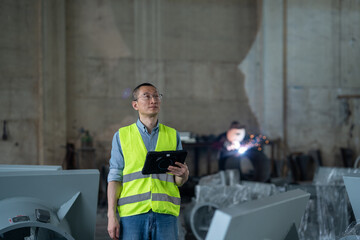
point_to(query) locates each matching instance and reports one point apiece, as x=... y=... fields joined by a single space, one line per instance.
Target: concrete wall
x=71 y=65
x=323 y=63
x=189 y=49
x=32 y=86
x=299 y=79
x=19 y=80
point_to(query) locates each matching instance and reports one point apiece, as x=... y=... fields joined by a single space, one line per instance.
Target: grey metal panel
x=54 y=188
x=352 y=185
x=268 y=218
x=15 y=168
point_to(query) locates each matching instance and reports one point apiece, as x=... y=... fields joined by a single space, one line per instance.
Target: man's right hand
x=114 y=190
x=113 y=227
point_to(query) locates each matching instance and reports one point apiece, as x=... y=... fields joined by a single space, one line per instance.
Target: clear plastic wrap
x=328 y=213
x=224 y=189
x=326 y=176
x=333 y=213
x=308 y=229
x=222 y=196
x=222 y=178
x=260 y=190
x=352 y=232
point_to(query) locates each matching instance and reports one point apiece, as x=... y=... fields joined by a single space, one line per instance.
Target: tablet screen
x=158 y=162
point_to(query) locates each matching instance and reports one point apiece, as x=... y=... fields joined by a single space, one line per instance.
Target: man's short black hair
x=135 y=91
x=237 y=125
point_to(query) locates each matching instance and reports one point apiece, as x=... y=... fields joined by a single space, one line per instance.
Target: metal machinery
x=352 y=183
x=220 y=191
x=38 y=203
x=275 y=218
x=327 y=213
x=19 y=168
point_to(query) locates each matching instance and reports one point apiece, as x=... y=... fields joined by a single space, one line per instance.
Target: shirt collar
x=142 y=127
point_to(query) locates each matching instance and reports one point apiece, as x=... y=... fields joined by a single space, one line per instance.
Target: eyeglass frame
x=148 y=97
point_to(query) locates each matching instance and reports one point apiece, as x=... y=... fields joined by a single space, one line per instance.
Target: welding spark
x=242 y=149
x=255 y=141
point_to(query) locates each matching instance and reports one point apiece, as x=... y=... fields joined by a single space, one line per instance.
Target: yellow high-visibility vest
x=141 y=193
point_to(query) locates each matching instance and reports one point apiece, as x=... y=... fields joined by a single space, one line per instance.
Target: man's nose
x=154 y=99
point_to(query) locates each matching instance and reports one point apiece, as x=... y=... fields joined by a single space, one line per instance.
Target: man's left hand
x=181 y=172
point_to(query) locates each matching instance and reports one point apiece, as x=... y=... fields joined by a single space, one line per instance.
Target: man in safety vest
x=148 y=205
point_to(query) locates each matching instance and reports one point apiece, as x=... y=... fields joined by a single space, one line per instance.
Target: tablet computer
x=158 y=162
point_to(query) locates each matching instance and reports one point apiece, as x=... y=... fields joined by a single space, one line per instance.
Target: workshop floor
x=101 y=225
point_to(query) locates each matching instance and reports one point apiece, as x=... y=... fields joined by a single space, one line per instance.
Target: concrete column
x=273 y=68
x=52 y=83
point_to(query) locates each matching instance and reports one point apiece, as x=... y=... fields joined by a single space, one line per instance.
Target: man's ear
x=135 y=105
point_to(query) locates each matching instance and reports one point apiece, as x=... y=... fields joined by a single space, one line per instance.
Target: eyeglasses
x=147 y=97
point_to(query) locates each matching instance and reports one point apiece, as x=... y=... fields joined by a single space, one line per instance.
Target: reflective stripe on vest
x=141 y=193
x=147 y=196
x=134 y=198
x=138 y=175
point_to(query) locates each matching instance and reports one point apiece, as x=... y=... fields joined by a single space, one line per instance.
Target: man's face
x=236 y=134
x=147 y=102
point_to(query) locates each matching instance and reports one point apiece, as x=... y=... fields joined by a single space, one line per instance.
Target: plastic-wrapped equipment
x=220 y=190
x=351 y=233
x=328 y=212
